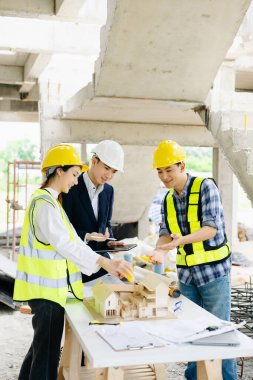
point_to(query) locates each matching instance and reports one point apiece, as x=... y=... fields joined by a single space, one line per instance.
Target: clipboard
x=118 y=248
x=126 y=337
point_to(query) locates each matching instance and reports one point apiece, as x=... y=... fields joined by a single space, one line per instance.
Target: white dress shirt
x=93 y=192
x=50 y=228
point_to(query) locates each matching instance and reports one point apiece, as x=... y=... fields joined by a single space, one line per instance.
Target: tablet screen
x=119 y=248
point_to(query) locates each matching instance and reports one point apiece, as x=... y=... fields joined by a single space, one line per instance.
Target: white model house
x=147 y=299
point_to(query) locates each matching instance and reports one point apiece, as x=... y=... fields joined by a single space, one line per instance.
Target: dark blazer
x=78 y=207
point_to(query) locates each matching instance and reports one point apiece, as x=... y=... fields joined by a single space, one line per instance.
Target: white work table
x=99 y=354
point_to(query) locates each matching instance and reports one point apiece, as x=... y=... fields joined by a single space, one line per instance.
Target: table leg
x=115 y=374
x=71 y=356
x=209 y=370
x=64 y=362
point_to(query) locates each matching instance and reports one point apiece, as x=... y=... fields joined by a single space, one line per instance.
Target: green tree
x=20 y=150
x=199 y=159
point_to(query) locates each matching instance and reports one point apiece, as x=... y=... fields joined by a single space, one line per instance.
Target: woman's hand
x=118 y=268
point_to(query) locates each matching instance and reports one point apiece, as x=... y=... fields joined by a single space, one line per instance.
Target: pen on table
x=209 y=328
x=101 y=237
x=103 y=323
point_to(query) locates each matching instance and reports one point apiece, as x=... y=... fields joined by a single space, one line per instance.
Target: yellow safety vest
x=198 y=253
x=42 y=272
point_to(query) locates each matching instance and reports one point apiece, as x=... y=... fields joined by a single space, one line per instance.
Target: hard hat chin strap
x=51 y=170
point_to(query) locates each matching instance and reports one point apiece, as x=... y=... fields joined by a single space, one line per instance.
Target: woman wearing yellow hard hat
x=50 y=260
x=193 y=223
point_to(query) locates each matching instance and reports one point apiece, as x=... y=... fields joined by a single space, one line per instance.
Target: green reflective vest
x=198 y=253
x=41 y=271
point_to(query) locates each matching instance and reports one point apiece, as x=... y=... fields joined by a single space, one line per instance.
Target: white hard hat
x=111 y=153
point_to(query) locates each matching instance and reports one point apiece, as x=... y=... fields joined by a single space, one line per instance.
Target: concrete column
x=143 y=224
x=227 y=185
x=223 y=88
x=135 y=189
x=84 y=153
x=49 y=107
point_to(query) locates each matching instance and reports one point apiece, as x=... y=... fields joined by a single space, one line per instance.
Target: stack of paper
x=127 y=336
x=183 y=331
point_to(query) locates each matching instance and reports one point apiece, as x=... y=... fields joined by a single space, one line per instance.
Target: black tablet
x=118 y=248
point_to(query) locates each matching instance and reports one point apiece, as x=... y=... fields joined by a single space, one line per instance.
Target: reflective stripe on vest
x=41 y=271
x=196 y=253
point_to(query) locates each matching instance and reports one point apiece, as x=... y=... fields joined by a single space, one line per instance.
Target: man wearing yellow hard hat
x=193 y=222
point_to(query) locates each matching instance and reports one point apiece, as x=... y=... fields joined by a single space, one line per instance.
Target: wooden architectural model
x=147 y=299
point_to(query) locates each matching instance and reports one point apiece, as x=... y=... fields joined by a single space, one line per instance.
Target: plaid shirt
x=212 y=215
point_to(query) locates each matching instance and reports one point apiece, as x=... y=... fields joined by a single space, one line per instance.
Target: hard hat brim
x=84 y=168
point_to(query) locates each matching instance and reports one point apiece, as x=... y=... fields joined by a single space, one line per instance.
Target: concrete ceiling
x=31 y=34
x=157 y=63
x=156 y=60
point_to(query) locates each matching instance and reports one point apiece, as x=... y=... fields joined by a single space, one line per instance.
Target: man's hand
x=95 y=236
x=118 y=268
x=156 y=256
x=115 y=244
x=175 y=242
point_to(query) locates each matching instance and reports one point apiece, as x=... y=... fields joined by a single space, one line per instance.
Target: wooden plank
x=88 y=374
x=115 y=374
x=143 y=377
x=160 y=371
x=139 y=370
x=66 y=353
x=209 y=370
x=150 y=376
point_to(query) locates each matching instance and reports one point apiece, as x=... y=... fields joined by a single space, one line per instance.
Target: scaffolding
x=242 y=310
x=17 y=179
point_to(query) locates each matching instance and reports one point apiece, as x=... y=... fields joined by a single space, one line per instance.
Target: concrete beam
x=54 y=131
x=146 y=51
x=28 y=8
x=42 y=36
x=34 y=93
x=34 y=66
x=18 y=106
x=71 y=10
x=9 y=91
x=244 y=80
x=11 y=74
x=68 y=8
x=24 y=117
x=12 y=92
x=84 y=106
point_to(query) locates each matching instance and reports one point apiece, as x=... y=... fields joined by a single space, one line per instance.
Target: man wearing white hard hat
x=89 y=204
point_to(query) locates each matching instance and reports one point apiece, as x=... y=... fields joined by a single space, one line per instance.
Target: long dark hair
x=52 y=175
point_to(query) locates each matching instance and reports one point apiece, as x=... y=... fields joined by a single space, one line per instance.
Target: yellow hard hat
x=61 y=155
x=168 y=153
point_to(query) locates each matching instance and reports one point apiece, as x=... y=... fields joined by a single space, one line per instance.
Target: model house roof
x=151 y=282
x=102 y=291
